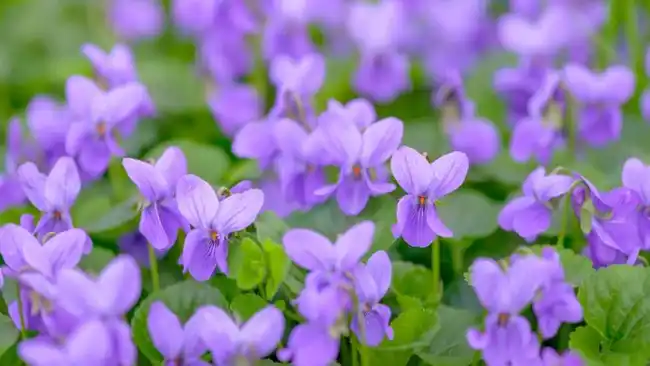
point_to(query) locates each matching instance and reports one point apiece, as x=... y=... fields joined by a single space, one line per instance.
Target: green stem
x=153 y=267
x=435 y=266
x=23 y=328
x=353 y=350
x=609 y=36
x=457 y=261
x=632 y=37
x=563 y=223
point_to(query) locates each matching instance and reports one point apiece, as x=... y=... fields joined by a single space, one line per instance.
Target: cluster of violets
x=80 y=319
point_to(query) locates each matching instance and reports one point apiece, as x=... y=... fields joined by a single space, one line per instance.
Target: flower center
x=503 y=319
x=422 y=200
x=356 y=172
x=57 y=215
x=39 y=303
x=214 y=237
x=101 y=129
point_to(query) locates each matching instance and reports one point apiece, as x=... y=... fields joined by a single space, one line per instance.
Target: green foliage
x=448 y=346
x=478 y=222
x=8 y=334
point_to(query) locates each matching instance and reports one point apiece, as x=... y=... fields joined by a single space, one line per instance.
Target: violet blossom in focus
x=418 y=222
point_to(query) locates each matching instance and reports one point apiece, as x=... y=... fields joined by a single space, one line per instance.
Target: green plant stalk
x=435 y=266
x=353 y=350
x=23 y=328
x=457 y=260
x=609 y=36
x=563 y=223
x=632 y=37
x=153 y=267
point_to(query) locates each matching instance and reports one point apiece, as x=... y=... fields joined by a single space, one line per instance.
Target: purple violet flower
x=418 y=222
x=517 y=86
x=137 y=19
x=11 y=193
x=213 y=221
x=383 y=72
x=136 y=245
x=48 y=123
x=636 y=177
x=530 y=215
x=53 y=194
x=541 y=133
x=179 y=345
x=310 y=344
x=231 y=343
x=91 y=138
x=360 y=156
x=114 y=68
x=105 y=298
x=550 y=357
x=645 y=97
x=508 y=337
x=600 y=97
x=89 y=344
x=160 y=219
x=286 y=32
x=233 y=106
x=372 y=282
x=476 y=137
x=541 y=38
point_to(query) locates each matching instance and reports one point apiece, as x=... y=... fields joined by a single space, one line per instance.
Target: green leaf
x=592 y=348
x=182 y=299
x=173 y=84
x=242 y=170
x=449 y=347
x=92 y=205
x=246 y=305
x=469 y=214
x=337 y=84
x=207 y=161
x=278 y=267
x=410 y=329
x=413 y=285
x=8 y=334
x=270 y=226
x=576 y=267
x=246 y=264
x=96 y=260
x=502 y=169
x=616 y=304
x=114 y=218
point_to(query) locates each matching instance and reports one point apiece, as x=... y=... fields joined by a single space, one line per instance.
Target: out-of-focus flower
x=137 y=19
x=11 y=192
x=177 y=343
x=233 y=106
x=91 y=138
x=541 y=133
x=476 y=137
x=600 y=97
x=231 y=343
x=383 y=71
x=53 y=194
x=48 y=123
x=360 y=157
x=136 y=245
x=106 y=298
x=530 y=215
x=160 y=219
x=418 y=222
x=286 y=32
x=636 y=176
x=213 y=221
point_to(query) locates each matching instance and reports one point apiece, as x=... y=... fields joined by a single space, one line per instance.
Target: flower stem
x=563 y=223
x=435 y=266
x=457 y=252
x=632 y=38
x=21 y=314
x=153 y=266
x=353 y=349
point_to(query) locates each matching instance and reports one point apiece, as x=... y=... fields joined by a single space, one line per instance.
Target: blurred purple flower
x=233 y=106
x=600 y=97
x=474 y=136
x=359 y=155
x=360 y=111
x=198 y=17
x=310 y=344
x=645 y=97
x=418 y=222
x=160 y=219
x=556 y=302
x=298 y=172
x=48 y=123
x=89 y=344
x=517 y=86
x=508 y=337
x=135 y=245
x=228 y=342
x=225 y=56
x=11 y=193
x=106 y=298
x=91 y=138
x=213 y=221
x=137 y=19
x=113 y=69
x=636 y=176
x=286 y=31
x=36 y=267
x=383 y=71
x=371 y=283
x=530 y=215
x=178 y=344
x=550 y=357
x=541 y=133
x=53 y=194
x=274 y=198
x=541 y=38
